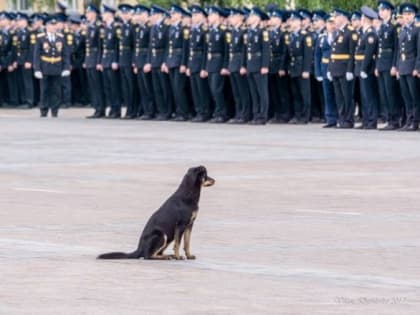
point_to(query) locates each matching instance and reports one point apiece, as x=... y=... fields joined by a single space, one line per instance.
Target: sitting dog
x=172 y=221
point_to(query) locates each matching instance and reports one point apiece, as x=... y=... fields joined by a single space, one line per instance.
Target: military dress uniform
x=257 y=43
x=160 y=80
x=6 y=59
x=196 y=62
x=322 y=56
x=144 y=80
x=25 y=42
x=66 y=81
x=125 y=47
x=52 y=61
x=92 y=57
x=176 y=56
x=239 y=82
x=278 y=85
x=110 y=76
x=341 y=67
x=216 y=60
x=386 y=59
x=406 y=63
x=365 y=54
x=300 y=58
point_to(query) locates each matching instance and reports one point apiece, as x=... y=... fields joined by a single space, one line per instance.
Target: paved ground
x=302 y=220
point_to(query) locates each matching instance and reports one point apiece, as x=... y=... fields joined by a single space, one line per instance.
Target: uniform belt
x=325 y=60
x=387 y=50
x=340 y=56
x=359 y=57
x=214 y=54
x=50 y=59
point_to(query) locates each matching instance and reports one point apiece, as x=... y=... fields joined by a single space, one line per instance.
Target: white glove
x=38 y=75
x=329 y=76
x=319 y=79
x=65 y=73
x=363 y=75
x=349 y=76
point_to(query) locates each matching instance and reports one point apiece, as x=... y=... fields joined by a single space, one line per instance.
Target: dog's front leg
x=187 y=240
x=177 y=242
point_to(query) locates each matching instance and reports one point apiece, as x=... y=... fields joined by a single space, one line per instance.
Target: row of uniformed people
x=271 y=65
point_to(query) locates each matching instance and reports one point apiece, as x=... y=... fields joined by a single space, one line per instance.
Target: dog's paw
x=180 y=257
x=192 y=257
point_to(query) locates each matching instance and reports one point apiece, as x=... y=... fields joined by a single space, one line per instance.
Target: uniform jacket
x=51 y=57
x=257 y=41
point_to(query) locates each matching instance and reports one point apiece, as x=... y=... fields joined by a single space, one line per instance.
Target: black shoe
x=293 y=121
x=198 y=118
x=93 y=116
x=301 y=122
x=54 y=114
x=44 y=114
x=346 y=126
x=146 y=117
x=330 y=125
x=360 y=127
x=371 y=127
x=217 y=120
x=179 y=118
x=412 y=127
x=317 y=120
x=389 y=127
x=161 y=118
x=114 y=116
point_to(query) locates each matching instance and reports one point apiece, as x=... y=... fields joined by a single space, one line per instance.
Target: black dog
x=172 y=221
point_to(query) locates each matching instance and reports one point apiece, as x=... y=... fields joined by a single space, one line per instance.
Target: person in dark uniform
x=385 y=65
x=155 y=63
x=322 y=56
x=278 y=87
x=91 y=33
x=51 y=63
x=109 y=62
x=25 y=42
x=341 y=67
x=79 y=88
x=141 y=51
x=13 y=99
x=196 y=63
x=62 y=27
x=365 y=54
x=6 y=55
x=239 y=83
x=406 y=67
x=318 y=102
x=216 y=62
x=125 y=36
x=256 y=64
x=175 y=62
x=37 y=27
x=300 y=58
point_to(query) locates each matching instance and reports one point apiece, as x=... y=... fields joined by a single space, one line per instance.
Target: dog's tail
x=118 y=255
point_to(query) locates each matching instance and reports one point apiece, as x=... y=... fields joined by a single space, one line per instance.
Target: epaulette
x=303 y=32
x=417 y=24
x=349 y=27
x=222 y=27
x=186 y=33
x=40 y=35
x=98 y=23
x=204 y=27
x=265 y=36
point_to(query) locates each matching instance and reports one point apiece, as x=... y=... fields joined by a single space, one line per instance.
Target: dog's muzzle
x=208 y=181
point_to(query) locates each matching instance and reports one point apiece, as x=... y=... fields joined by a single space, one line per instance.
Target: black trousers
x=217 y=84
x=50 y=93
x=95 y=90
x=79 y=86
x=387 y=96
x=343 y=91
x=146 y=104
x=127 y=92
x=110 y=83
x=200 y=95
x=178 y=84
x=162 y=93
x=410 y=94
x=279 y=94
x=241 y=97
x=3 y=87
x=369 y=101
x=258 y=87
x=317 y=100
x=25 y=85
x=13 y=88
x=301 y=98
x=66 y=91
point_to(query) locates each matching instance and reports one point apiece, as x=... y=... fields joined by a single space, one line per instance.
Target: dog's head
x=200 y=177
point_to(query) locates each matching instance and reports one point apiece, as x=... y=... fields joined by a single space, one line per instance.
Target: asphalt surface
x=302 y=220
